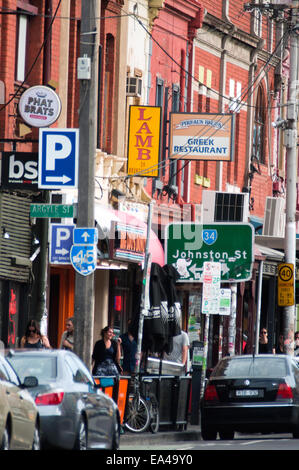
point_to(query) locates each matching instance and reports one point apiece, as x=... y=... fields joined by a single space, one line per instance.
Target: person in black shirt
x=263 y=342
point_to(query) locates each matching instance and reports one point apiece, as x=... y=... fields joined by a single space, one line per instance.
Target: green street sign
x=55 y=211
x=188 y=245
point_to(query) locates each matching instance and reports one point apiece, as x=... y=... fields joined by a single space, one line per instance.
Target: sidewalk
x=192 y=433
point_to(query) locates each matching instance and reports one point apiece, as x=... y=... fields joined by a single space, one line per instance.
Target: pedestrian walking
x=263 y=342
x=180 y=349
x=67 y=338
x=33 y=337
x=106 y=354
x=129 y=348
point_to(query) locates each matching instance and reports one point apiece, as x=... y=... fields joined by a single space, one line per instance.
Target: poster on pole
x=211 y=288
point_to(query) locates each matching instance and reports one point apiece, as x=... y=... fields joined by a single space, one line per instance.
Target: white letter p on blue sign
x=58 y=158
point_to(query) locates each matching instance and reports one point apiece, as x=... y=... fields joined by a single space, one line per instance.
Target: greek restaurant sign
x=202 y=136
x=189 y=245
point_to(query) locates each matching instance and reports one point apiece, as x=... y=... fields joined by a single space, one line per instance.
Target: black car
x=251 y=394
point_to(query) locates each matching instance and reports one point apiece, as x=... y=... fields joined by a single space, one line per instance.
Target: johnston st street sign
x=189 y=245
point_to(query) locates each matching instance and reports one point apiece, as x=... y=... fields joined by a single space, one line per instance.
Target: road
x=269 y=442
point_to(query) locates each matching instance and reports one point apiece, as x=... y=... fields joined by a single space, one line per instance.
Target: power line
x=35 y=60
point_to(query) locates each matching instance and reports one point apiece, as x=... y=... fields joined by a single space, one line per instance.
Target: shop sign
x=144 y=140
x=203 y=136
x=128 y=242
x=19 y=170
x=40 y=106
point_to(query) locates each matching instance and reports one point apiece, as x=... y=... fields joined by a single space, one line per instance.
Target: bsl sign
x=19 y=170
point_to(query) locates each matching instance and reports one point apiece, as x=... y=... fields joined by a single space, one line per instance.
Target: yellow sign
x=285 y=285
x=203 y=136
x=144 y=140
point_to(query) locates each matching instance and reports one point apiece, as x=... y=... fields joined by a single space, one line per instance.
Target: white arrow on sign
x=58 y=179
x=85 y=236
x=63 y=251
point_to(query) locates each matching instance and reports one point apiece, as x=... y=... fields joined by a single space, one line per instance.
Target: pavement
x=192 y=433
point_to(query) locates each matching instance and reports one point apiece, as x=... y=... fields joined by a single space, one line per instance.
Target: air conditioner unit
x=274 y=217
x=224 y=207
x=134 y=86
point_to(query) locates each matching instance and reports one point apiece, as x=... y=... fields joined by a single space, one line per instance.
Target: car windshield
x=44 y=368
x=251 y=367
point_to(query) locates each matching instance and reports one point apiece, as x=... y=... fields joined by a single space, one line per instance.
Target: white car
x=19 y=418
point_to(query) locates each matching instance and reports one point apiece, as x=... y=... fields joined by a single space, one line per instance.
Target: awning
x=269 y=253
x=106 y=215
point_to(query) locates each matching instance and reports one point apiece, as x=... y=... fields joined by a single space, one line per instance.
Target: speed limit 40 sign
x=285 y=285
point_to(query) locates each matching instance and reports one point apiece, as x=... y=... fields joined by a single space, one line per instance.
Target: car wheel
x=208 y=433
x=227 y=435
x=36 y=438
x=5 y=444
x=81 y=438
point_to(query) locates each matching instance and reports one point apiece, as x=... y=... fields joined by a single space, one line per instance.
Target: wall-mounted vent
x=224 y=207
x=274 y=217
x=134 y=86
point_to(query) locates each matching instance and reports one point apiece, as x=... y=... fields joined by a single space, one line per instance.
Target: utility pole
x=84 y=287
x=289 y=129
x=290 y=141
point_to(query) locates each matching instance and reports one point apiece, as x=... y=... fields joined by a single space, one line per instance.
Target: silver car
x=19 y=419
x=74 y=413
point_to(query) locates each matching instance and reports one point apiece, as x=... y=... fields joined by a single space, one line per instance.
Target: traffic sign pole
x=84 y=286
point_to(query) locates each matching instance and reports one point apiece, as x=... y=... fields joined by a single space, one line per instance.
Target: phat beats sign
x=40 y=106
x=19 y=170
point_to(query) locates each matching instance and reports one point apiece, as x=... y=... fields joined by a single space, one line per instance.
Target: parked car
x=19 y=419
x=251 y=394
x=74 y=412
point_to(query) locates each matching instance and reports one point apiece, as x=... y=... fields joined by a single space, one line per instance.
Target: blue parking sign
x=61 y=241
x=58 y=158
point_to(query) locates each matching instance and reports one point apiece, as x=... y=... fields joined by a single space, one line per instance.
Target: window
x=79 y=373
x=21 y=48
x=259 y=127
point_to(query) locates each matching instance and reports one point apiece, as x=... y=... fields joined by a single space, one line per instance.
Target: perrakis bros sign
x=40 y=106
x=189 y=245
x=144 y=140
x=204 y=136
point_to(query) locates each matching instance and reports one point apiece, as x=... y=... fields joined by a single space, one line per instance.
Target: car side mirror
x=30 y=382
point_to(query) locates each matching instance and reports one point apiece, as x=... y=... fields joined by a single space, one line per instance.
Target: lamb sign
x=189 y=245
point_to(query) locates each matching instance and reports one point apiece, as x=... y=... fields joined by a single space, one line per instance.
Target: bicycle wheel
x=154 y=415
x=138 y=416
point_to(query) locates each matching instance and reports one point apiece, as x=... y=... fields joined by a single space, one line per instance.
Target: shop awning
x=106 y=215
x=269 y=253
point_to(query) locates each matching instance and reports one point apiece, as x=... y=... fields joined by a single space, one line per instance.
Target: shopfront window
x=119 y=308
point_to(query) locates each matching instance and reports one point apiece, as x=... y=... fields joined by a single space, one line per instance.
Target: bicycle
x=142 y=411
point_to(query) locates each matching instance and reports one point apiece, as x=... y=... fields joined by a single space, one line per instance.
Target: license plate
x=247 y=393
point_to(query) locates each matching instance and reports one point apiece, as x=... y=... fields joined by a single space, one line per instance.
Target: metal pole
x=258 y=312
x=145 y=281
x=205 y=354
x=232 y=322
x=290 y=138
x=84 y=288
